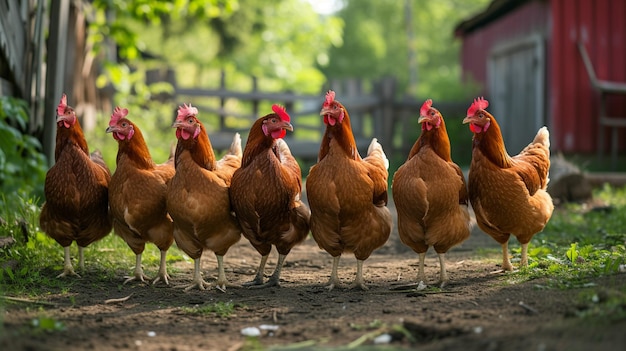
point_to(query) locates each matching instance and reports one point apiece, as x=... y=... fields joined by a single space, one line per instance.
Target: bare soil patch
x=477 y=310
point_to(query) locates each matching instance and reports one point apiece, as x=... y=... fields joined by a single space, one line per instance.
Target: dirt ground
x=477 y=310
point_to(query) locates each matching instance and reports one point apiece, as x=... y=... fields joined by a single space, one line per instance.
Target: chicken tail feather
x=376 y=149
x=542 y=137
x=235 y=147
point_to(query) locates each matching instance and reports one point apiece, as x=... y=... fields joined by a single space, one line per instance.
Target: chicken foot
x=359 y=282
x=258 y=278
x=138 y=274
x=197 y=281
x=222 y=282
x=68 y=269
x=524 y=262
x=506 y=261
x=162 y=275
x=274 y=280
x=334 y=278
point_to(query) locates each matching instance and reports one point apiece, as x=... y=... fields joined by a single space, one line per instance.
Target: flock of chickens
x=203 y=203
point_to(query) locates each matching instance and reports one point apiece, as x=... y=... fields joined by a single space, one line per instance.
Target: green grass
x=29 y=267
x=219 y=309
x=580 y=242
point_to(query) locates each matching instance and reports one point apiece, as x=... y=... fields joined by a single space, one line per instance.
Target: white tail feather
x=376 y=148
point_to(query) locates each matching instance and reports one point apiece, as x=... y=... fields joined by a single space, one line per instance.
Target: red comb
x=186 y=110
x=281 y=112
x=425 y=107
x=118 y=114
x=62 y=105
x=330 y=97
x=478 y=104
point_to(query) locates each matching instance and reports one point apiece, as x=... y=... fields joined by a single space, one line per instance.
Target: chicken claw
x=334 y=279
x=68 y=269
x=359 y=282
x=162 y=276
x=138 y=275
x=274 y=280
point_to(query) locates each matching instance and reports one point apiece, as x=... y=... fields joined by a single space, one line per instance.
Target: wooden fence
x=226 y=112
x=374 y=109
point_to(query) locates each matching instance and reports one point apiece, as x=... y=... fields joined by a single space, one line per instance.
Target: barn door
x=516 y=89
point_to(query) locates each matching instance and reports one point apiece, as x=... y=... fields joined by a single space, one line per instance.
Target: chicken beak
x=324 y=112
x=288 y=126
x=467 y=119
x=110 y=129
x=422 y=119
x=176 y=124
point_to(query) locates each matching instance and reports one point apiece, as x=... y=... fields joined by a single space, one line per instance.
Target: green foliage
x=606 y=303
x=153 y=118
x=30 y=266
x=579 y=244
x=376 y=44
x=22 y=163
x=219 y=309
x=47 y=324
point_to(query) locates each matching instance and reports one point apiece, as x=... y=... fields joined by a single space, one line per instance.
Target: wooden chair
x=605 y=88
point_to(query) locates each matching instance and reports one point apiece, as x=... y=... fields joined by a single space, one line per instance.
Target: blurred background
x=539 y=62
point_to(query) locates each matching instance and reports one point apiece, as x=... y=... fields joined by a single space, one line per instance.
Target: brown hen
x=76 y=190
x=347 y=194
x=271 y=214
x=508 y=194
x=197 y=197
x=430 y=194
x=137 y=195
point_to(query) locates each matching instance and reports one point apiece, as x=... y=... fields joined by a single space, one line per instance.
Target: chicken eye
x=273 y=120
x=124 y=124
x=190 y=120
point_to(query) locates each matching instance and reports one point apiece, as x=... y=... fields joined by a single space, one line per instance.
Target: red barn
x=525 y=54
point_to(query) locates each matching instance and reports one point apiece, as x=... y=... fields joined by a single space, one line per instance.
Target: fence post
x=255 y=102
x=387 y=119
x=222 y=116
x=58 y=27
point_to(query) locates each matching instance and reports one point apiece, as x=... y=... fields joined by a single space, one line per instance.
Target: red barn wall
x=477 y=45
x=572 y=105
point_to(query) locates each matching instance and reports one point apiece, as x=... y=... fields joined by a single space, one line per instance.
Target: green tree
x=376 y=43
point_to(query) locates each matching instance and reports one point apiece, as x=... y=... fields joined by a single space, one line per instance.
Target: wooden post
x=255 y=102
x=387 y=120
x=222 y=116
x=55 y=76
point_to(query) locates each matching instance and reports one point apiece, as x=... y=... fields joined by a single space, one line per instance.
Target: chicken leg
x=258 y=278
x=274 y=280
x=421 y=276
x=443 y=274
x=334 y=278
x=68 y=269
x=524 y=262
x=197 y=281
x=221 y=275
x=358 y=280
x=138 y=274
x=81 y=258
x=506 y=262
x=162 y=270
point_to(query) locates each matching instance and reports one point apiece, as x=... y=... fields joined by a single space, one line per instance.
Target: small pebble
x=251 y=331
x=382 y=339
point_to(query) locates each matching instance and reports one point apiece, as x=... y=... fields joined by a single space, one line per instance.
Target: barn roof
x=495 y=10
